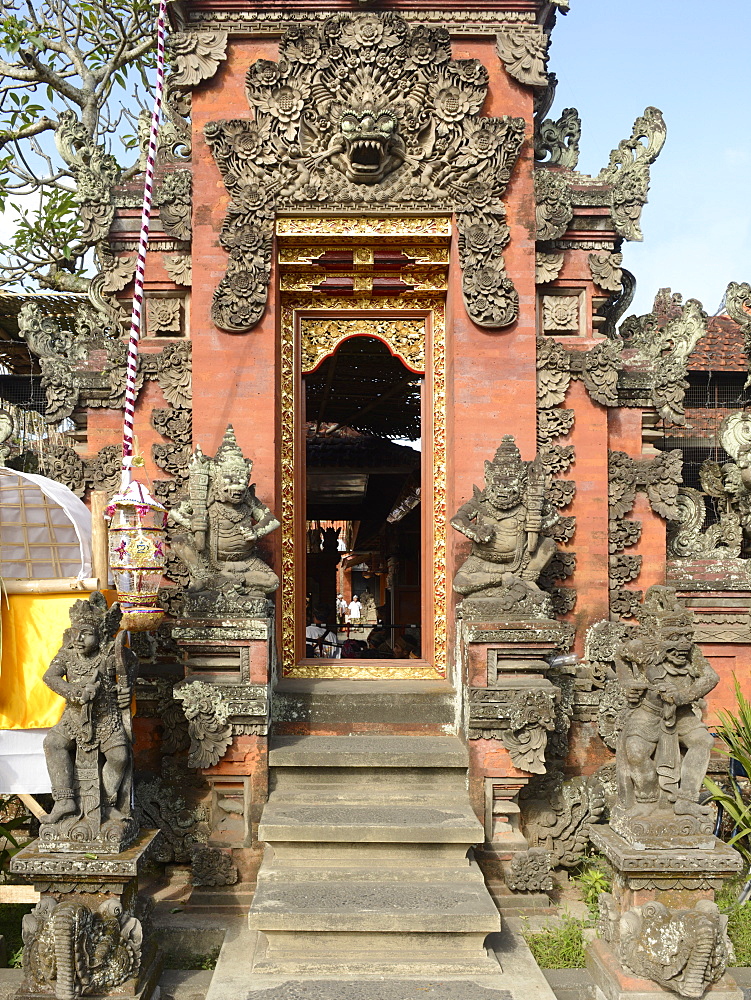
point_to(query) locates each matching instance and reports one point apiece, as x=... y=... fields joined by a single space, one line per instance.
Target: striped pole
x=136 y=313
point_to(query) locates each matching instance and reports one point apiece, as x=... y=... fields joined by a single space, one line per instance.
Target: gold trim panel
x=351 y=228
x=321 y=337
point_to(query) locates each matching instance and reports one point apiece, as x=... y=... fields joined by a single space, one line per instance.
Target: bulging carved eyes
x=385 y=124
x=350 y=124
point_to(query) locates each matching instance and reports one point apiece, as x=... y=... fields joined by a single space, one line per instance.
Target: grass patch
x=11 y=915
x=560 y=946
x=739 y=919
x=192 y=961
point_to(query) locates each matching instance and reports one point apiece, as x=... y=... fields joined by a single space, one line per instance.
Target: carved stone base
x=89 y=931
x=661 y=829
x=73 y=836
x=503 y=835
x=613 y=982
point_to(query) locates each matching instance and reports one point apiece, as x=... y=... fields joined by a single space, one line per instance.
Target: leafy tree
x=58 y=57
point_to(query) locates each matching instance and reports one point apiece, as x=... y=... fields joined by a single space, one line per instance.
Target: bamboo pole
x=99 y=549
x=66 y=585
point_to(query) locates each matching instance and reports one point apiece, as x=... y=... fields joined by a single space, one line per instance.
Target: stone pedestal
x=661 y=917
x=88 y=931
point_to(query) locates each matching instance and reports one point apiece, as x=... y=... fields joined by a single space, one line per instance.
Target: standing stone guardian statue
x=664 y=747
x=219 y=526
x=506 y=523
x=89 y=752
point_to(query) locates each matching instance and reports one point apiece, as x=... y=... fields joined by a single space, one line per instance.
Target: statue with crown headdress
x=664 y=747
x=507 y=523
x=89 y=752
x=220 y=523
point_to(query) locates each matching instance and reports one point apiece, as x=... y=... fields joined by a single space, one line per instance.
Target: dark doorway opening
x=363 y=417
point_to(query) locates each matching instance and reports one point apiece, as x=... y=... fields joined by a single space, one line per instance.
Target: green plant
x=593 y=876
x=558 y=946
x=734 y=729
x=8 y=843
x=11 y=915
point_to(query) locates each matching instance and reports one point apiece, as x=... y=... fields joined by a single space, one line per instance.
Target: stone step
x=449 y=822
x=366 y=783
x=368 y=752
x=420 y=706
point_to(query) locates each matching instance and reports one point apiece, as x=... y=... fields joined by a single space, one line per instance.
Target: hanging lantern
x=137 y=540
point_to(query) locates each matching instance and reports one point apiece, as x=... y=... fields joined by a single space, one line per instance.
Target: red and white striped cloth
x=136 y=313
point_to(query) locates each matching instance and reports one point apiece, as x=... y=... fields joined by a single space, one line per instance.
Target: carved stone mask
x=370 y=138
x=503 y=494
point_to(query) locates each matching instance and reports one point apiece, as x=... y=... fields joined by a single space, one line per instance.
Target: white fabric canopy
x=22 y=765
x=45 y=530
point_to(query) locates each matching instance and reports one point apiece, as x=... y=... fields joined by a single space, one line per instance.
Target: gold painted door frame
x=412 y=325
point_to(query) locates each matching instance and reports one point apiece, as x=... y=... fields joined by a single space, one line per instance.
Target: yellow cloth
x=33 y=628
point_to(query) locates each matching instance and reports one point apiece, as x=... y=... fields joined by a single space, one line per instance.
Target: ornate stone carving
x=560 y=313
x=606 y=271
x=218 y=526
x=532 y=718
x=175 y=199
x=174 y=374
x=530 y=871
x=554 y=207
x=553 y=423
x=611 y=712
x=628 y=172
x=598 y=368
x=664 y=344
x=195 y=56
x=685 y=951
x=564 y=530
x=331 y=128
x=212 y=867
x=659 y=477
x=557 y=142
x=624 y=602
x=617 y=304
x=65 y=465
x=624 y=569
x=88 y=752
x=686 y=539
x=664 y=747
x=207 y=713
x=556 y=815
x=182 y=826
x=504 y=522
x=557 y=458
x=172 y=458
x=523 y=50
x=622 y=534
x=95 y=172
x=105 y=468
x=738 y=307
x=75 y=949
x=118 y=271
x=547 y=267
x=175 y=423
x=179 y=268
x=163 y=316
x=561 y=492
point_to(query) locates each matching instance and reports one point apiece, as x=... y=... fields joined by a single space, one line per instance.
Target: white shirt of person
x=324 y=641
x=355 y=609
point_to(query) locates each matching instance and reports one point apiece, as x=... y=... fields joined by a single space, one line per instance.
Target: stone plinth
x=613 y=982
x=86 y=931
x=675 y=877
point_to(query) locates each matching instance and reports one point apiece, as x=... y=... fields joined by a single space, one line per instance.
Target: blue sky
x=613 y=58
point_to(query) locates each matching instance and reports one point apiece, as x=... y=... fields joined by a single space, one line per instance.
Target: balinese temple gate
x=430 y=561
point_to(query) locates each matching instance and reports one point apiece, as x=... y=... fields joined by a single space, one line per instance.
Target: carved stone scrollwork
x=175 y=199
x=617 y=304
x=105 y=468
x=564 y=530
x=556 y=815
x=611 y=711
x=597 y=368
x=183 y=826
x=179 y=268
x=622 y=534
x=561 y=492
x=547 y=267
x=624 y=602
x=417 y=142
x=64 y=465
x=95 y=171
x=557 y=142
x=530 y=871
x=685 y=951
x=523 y=50
x=659 y=477
x=554 y=204
x=556 y=422
x=212 y=867
x=624 y=569
x=664 y=345
x=521 y=720
x=207 y=714
x=163 y=316
x=174 y=423
x=174 y=374
x=606 y=271
x=76 y=949
x=738 y=307
x=557 y=458
x=173 y=458
x=722 y=540
x=628 y=172
x=195 y=56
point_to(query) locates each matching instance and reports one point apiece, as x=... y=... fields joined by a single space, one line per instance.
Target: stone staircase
x=366 y=867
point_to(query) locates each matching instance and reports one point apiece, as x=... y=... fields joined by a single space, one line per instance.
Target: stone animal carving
x=663 y=749
x=77 y=950
x=88 y=752
x=685 y=951
x=556 y=816
x=221 y=522
x=506 y=523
